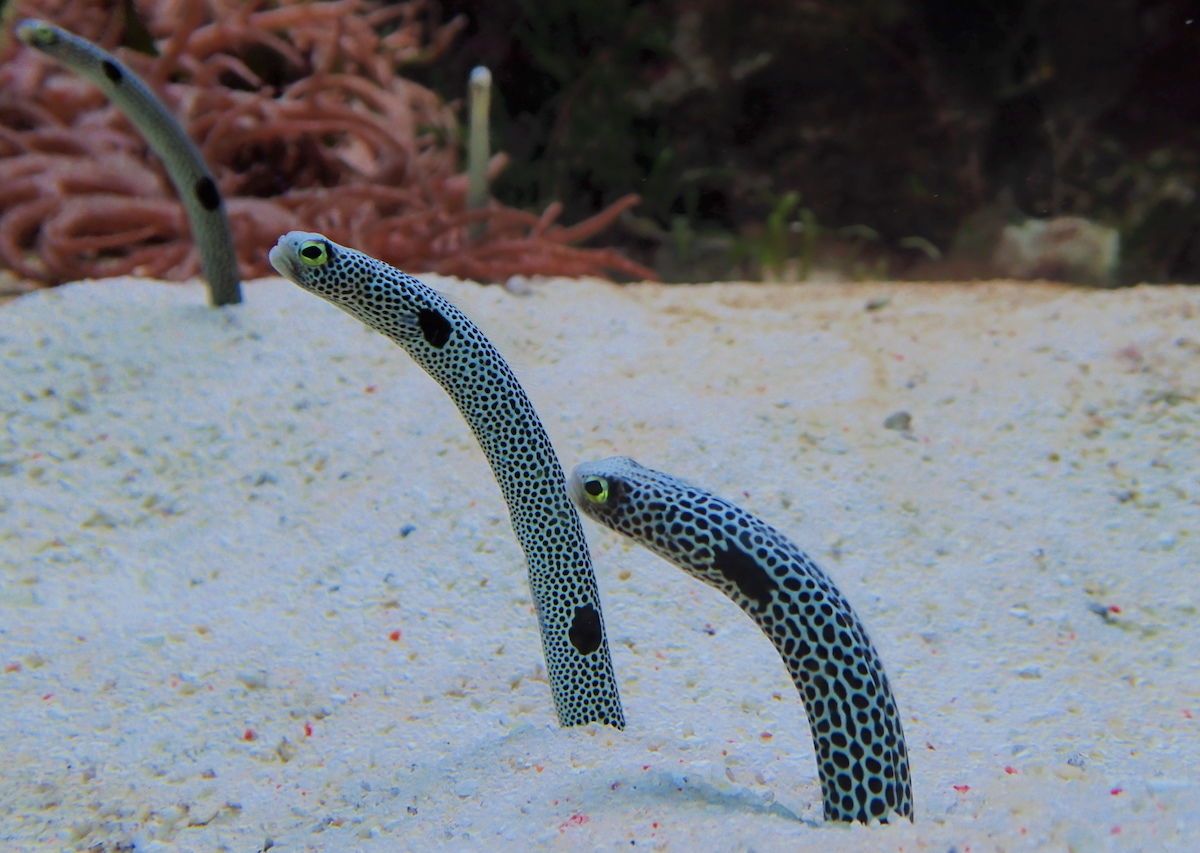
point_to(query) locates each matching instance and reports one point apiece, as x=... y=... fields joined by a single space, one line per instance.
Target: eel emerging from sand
x=195 y=185
x=452 y=349
x=861 y=755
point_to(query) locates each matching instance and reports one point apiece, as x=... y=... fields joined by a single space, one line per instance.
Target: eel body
x=190 y=175
x=452 y=349
x=479 y=149
x=861 y=755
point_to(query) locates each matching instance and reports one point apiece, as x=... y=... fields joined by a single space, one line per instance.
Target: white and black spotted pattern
x=861 y=755
x=455 y=352
x=187 y=169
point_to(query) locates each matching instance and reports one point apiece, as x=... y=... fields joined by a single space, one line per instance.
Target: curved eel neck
x=531 y=480
x=166 y=137
x=862 y=760
x=861 y=755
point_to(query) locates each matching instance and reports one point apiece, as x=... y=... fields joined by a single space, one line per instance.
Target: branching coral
x=303 y=119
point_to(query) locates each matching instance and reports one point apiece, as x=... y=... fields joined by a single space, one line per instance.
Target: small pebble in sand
x=900 y=421
x=518 y=285
x=255 y=680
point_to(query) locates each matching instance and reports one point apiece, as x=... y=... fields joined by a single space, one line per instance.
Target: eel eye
x=596 y=489
x=313 y=253
x=37 y=34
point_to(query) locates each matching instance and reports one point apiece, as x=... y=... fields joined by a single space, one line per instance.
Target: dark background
x=895 y=136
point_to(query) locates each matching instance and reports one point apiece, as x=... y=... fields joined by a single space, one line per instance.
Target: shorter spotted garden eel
x=862 y=759
x=452 y=349
x=186 y=167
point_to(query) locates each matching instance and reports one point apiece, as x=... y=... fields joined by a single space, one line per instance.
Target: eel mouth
x=281 y=259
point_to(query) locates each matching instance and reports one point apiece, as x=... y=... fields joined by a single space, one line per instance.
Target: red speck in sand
x=47 y=697
x=928 y=745
x=394 y=636
x=645 y=766
x=654 y=825
x=1117 y=791
x=371 y=389
x=962 y=789
x=1010 y=770
x=308 y=729
x=1114 y=608
x=1187 y=713
x=249 y=734
x=766 y=735
x=1116 y=830
x=576 y=819
x=539 y=768
x=12 y=667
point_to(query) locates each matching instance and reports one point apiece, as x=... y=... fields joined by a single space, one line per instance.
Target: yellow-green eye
x=596 y=489
x=37 y=34
x=313 y=253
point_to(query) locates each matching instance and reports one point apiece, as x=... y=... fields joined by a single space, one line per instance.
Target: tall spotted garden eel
x=452 y=349
x=862 y=759
x=195 y=185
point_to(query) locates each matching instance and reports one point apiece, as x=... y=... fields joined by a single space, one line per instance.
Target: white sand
x=200 y=525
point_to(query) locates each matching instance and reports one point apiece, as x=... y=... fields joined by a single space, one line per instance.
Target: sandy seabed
x=258 y=587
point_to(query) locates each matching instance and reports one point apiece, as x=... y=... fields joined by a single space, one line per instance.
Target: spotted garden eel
x=188 y=172
x=452 y=349
x=861 y=755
